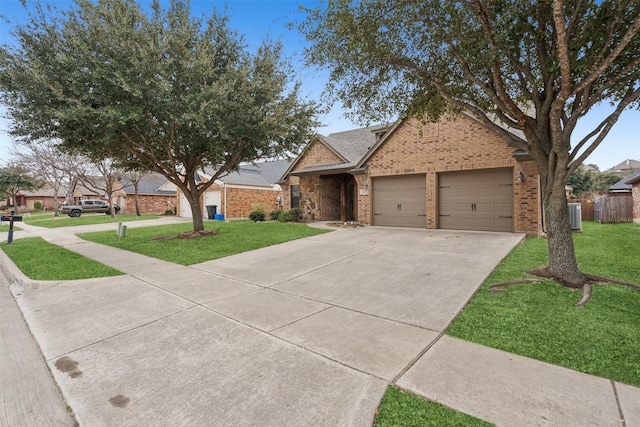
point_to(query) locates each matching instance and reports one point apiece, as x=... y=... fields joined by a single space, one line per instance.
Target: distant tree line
x=589 y=179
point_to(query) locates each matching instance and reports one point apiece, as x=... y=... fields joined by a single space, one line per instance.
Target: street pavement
x=308 y=332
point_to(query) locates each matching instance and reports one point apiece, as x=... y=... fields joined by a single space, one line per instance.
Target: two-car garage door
x=467 y=200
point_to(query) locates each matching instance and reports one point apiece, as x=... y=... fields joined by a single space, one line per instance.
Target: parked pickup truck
x=86 y=206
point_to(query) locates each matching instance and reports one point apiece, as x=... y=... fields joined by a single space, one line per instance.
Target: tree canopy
x=153 y=90
x=528 y=70
x=14 y=179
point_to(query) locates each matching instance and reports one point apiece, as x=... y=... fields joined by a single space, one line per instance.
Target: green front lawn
x=41 y=260
x=233 y=237
x=49 y=221
x=541 y=321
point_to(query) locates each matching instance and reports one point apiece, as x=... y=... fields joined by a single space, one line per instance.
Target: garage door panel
x=476 y=200
x=400 y=201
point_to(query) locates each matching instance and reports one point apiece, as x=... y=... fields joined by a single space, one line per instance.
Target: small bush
x=285 y=217
x=256 y=216
x=169 y=212
x=273 y=215
x=296 y=214
x=37 y=205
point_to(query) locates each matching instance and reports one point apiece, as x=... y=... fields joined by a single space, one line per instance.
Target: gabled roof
x=264 y=174
x=351 y=146
x=45 y=191
x=354 y=144
x=627 y=165
x=150 y=184
x=624 y=185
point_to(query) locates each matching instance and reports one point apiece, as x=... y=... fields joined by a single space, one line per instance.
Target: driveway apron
x=308 y=332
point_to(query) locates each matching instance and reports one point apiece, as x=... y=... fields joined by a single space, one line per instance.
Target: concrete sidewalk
x=309 y=332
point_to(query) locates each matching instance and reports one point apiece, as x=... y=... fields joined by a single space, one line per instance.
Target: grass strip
x=541 y=321
x=49 y=221
x=233 y=237
x=405 y=409
x=41 y=260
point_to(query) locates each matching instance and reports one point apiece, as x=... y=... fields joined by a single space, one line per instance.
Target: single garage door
x=400 y=201
x=211 y=197
x=476 y=200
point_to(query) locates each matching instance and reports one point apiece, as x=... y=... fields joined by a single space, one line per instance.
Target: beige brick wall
x=317 y=154
x=452 y=145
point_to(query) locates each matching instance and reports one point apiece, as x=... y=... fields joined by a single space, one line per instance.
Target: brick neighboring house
x=634 y=181
x=155 y=195
x=237 y=194
x=454 y=174
x=44 y=195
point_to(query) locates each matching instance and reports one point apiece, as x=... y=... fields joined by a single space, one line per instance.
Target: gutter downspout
x=224 y=185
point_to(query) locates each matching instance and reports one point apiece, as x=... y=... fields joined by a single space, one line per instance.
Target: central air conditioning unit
x=575 y=216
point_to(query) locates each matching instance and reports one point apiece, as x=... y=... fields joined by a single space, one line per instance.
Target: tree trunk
x=562 y=258
x=196 y=213
x=136 y=199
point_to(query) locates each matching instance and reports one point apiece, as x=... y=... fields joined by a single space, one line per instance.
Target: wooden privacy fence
x=586 y=207
x=608 y=209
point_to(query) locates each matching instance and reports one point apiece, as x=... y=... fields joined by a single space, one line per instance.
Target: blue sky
x=259 y=18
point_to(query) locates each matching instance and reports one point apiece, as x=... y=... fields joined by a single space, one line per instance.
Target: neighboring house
x=626 y=167
x=621 y=187
x=156 y=195
x=83 y=192
x=454 y=174
x=634 y=181
x=44 y=195
x=237 y=194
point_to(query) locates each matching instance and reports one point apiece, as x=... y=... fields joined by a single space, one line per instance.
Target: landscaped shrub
x=296 y=214
x=37 y=205
x=285 y=217
x=169 y=212
x=273 y=215
x=256 y=216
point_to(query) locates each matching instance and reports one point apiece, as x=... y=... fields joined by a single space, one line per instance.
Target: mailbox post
x=11 y=219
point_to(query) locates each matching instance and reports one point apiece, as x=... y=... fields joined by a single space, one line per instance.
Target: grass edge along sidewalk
x=540 y=320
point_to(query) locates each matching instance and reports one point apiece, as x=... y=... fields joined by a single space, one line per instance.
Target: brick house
x=238 y=193
x=84 y=190
x=43 y=195
x=454 y=174
x=156 y=195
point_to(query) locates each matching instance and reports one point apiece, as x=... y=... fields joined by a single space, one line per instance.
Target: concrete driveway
x=308 y=332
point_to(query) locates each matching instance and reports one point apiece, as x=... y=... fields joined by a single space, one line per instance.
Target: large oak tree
x=536 y=67
x=153 y=89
